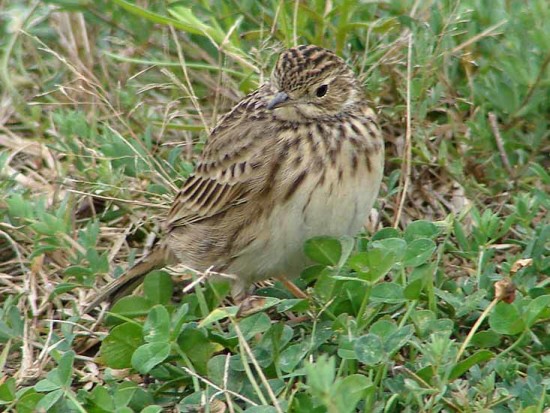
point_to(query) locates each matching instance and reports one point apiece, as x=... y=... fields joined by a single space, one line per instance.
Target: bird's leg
x=250 y=304
x=239 y=291
x=290 y=286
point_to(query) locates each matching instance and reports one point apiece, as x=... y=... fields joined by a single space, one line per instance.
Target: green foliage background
x=104 y=107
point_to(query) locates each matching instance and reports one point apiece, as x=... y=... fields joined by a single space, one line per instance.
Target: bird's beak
x=278 y=100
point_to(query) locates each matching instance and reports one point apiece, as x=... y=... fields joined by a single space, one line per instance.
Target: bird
x=301 y=156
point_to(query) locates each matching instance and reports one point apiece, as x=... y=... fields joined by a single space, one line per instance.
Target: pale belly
x=336 y=208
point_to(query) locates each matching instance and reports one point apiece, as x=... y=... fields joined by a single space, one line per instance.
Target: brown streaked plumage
x=299 y=157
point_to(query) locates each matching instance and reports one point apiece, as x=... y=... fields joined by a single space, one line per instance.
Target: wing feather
x=227 y=173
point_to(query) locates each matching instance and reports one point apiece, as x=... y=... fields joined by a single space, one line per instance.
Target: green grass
x=104 y=107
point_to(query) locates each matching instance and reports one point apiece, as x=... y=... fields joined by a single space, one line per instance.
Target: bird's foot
x=250 y=305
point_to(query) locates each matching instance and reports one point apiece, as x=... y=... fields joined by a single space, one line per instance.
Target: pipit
x=299 y=157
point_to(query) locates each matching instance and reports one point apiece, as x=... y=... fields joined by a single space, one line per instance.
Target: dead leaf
x=519 y=264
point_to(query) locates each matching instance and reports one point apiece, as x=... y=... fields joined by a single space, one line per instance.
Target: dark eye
x=321 y=91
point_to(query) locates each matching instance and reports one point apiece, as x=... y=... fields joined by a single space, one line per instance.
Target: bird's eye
x=321 y=91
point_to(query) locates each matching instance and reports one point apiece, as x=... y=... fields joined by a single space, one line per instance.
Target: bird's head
x=312 y=82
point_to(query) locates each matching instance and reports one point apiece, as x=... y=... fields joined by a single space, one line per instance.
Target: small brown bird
x=301 y=156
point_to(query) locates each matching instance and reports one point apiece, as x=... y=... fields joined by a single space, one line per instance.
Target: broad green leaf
x=323 y=250
x=219 y=374
x=63 y=288
x=390 y=293
x=465 y=365
x=320 y=374
x=7 y=391
x=486 y=339
x=460 y=236
x=418 y=252
x=153 y=409
x=373 y=264
x=219 y=314
x=101 y=398
x=398 y=339
x=65 y=368
x=59 y=377
x=349 y=391
x=443 y=326
x=312 y=272
x=194 y=342
x=369 y=349
x=346 y=348
x=255 y=324
x=46 y=385
x=147 y=356
x=124 y=393
x=426 y=373
x=293 y=304
x=158 y=287
x=421 y=229
x=157 y=325
x=396 y=246
x=278 y=336
x=292 y=355
x=131 y=306
x=383 y=328
x=326 y=285
x=49 y=400
x=422 y=272
x=538 y=308
x=505 y=319
x=178 y=319
x=117 y=348
x=347 y=244
x=423 y=321
x=7 y=333
x=78 y=271
x=384 y=233
x=28 y=402
x=413 y=289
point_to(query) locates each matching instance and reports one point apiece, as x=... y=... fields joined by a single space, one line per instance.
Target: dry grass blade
x=500 y=143
x=259 y=371
x=407 y=167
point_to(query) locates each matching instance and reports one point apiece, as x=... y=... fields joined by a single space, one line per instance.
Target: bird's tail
x=159 y=257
